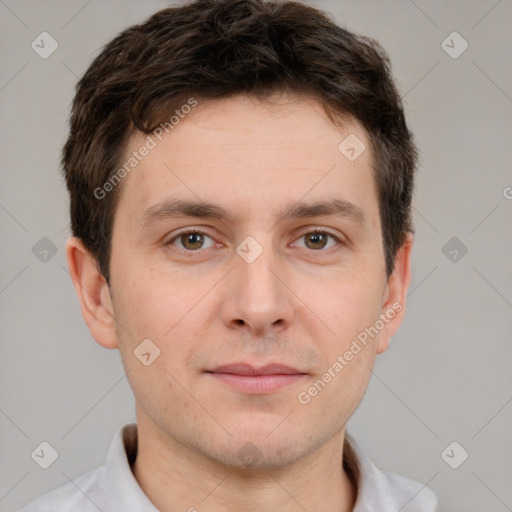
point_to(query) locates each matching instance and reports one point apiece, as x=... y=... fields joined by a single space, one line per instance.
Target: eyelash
x=200 y=232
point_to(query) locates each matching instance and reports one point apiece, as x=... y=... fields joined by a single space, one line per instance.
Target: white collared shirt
x=113 y=488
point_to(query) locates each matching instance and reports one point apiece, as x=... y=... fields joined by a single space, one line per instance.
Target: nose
x=257 y=298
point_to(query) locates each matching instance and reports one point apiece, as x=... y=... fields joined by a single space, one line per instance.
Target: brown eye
x=316 y=240
x=191 y=240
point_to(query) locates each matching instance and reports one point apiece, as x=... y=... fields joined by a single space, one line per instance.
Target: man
x=241 y=177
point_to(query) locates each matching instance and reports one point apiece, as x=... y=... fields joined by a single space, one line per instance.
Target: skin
x=299 y=303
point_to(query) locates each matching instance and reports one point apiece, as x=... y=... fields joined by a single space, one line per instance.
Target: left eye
x=317 y=239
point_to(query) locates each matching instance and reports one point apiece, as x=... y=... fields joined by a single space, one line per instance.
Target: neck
x=175 y=477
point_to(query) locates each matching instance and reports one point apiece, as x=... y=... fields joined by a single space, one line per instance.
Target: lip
x=247 y=369
x=248 y=379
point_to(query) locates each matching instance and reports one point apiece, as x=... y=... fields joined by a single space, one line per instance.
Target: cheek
x=350 y=303
x=148 y=303
x=162 y=308
x=349 y=308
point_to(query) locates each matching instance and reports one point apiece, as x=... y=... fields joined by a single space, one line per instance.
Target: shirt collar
x=119 y=479
x=371 y=485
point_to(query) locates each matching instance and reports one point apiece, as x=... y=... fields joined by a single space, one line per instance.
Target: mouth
x=248 y=379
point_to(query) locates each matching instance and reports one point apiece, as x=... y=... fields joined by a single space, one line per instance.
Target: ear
x=93 y=293
x=393 y=301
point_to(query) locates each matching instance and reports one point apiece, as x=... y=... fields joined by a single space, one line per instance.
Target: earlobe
x=93 y=293
x=394 y=298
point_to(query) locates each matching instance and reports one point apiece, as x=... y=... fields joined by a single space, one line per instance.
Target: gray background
x=446 y=376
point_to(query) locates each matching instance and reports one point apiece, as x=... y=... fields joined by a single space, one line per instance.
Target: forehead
x=249 y=154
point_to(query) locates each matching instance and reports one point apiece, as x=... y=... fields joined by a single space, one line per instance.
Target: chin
x=258 y=450
x=257 y=457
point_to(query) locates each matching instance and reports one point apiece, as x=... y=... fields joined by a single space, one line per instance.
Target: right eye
x=190 y=241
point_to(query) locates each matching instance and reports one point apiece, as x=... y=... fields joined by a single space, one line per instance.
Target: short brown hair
x=217 y=48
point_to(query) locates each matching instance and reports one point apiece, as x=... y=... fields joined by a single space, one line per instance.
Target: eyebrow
x=178 y=208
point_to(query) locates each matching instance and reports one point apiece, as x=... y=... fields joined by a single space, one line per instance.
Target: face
x=258 y=303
